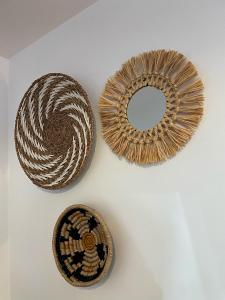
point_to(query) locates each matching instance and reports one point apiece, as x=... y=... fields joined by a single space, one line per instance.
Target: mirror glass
x=146 y=108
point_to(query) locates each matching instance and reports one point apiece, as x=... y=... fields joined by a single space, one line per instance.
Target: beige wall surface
x=167 y=220
x=4 y=240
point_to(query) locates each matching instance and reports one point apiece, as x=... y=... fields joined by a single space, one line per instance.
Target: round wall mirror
x=146 y=108
x=151 y=107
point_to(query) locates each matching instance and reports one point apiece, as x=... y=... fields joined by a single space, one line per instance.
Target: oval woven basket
x=54 y=131
x=82 y=246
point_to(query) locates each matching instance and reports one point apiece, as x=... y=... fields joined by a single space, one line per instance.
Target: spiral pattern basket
x=54 y=131
x=82 y=246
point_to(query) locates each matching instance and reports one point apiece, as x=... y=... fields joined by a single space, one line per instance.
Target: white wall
x=167 y=221
x=4 y=257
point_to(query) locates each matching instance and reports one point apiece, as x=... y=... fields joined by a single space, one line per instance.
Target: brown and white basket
x=54 y=131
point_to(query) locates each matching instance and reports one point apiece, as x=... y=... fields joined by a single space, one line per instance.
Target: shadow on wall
x=3 y=162
x=127 y=257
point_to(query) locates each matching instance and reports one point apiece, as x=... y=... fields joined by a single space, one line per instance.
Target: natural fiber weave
x=178 y=79
x=82 y=246
x=54 y=131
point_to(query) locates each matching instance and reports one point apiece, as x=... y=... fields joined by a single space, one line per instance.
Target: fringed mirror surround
x=54 y=131
x=178 y=79
x=82 y=246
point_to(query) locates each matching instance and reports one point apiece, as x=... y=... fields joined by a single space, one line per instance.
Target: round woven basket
x=82 y=246
x=54 y=131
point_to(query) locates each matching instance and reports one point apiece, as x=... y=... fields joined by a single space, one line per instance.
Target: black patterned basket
x=54 y=131
x=82 y=246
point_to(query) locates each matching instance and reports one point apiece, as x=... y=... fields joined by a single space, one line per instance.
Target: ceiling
x=24 y=21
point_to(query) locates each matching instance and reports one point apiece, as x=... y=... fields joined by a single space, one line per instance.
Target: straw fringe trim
x=178 y=79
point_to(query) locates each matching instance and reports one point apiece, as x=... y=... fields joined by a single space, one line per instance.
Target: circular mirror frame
x=178 y=79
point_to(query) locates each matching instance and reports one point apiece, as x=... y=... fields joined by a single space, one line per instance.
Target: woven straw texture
x=54 y=131
x=82 y=246
x=178 y=79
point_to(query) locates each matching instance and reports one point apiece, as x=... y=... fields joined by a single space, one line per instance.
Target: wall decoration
x=82 y=246
x=170 y=72
x=54 y=131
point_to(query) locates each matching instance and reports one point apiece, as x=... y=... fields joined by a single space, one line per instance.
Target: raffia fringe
x=170 y=72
